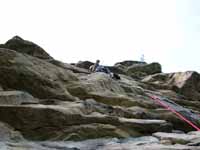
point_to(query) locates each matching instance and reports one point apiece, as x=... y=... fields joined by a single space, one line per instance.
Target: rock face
x=7 y=133
x=16 y=98
x=23 y=46
x=46 y=100
x=136 y=69
x=69 y=123
x=144 y=69
x=37 y=77
x=129 y=63
x=84 y=64
x=68 y=66
x=185 y=83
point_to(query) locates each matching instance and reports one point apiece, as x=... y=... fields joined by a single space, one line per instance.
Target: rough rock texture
x=185 y=83
x=129 y=63
x=39 y=78
x=84 y=64
x=177 y=138
x=24 y=46
x=48 y=100
x=144 y=69
x=70 y=123
x=7 y=133
x=16 y=98
x=68 y=66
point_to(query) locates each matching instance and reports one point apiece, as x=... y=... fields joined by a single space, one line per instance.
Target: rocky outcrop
x=136 y=69
x=129 y=63
x=68 y=66
x=141 y=143
x=185 y=83
x=144 y=69
x=23 y=46
x=48 y=100
x=35 y=76
x=84 y=64
x=178 y=138
x=40 y=122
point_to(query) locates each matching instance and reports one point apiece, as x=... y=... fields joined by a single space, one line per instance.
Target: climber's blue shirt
x=102 y=69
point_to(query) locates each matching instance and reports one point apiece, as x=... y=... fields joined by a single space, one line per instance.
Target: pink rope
x=156 y=99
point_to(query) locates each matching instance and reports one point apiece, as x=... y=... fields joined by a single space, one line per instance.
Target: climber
x=99 y=68
x=92 y=68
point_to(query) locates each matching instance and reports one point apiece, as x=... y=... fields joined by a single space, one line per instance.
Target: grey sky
x=166 y=31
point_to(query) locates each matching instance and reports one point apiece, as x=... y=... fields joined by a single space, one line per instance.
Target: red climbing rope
x=156 y=99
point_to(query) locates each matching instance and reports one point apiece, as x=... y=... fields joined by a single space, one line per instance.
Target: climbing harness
x=159 y=101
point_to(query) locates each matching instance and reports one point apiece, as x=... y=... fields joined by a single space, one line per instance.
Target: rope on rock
x=159 y=101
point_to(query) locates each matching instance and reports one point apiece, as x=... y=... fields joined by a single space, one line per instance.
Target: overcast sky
x=165 y=31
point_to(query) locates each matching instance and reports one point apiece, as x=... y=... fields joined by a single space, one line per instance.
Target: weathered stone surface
x=142 y=143
x=129 y=63
x=130 y=146
x=76 y=105
x=84 y=64
x=39 y=122
x=141 y=70
x=116 y=70
x=177 y=138
x=1 y=89
x=23 y=46
x=68 y=66
x=37 y=77
x=7 y=133
x=102 y=88
x=185 y=83
x=16 y=98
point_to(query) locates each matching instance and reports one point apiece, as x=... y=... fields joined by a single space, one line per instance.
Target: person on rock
x=99 y=68
x=93 y=68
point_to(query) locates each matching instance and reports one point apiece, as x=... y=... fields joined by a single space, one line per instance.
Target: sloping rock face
x=48 y=100
x=153 y=142
x=23 y=46
x=70 y=123
x=37 y=77
x=68 y=66
x=185 y=83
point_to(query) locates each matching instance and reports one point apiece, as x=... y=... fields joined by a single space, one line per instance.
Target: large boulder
x=84 y=64
x=121 y=67
x=23 y=46
x=144 y=69
x=185 y=83
x=35 y=76
x=136 y=69
x=129 y=63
